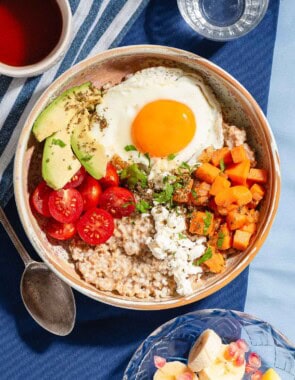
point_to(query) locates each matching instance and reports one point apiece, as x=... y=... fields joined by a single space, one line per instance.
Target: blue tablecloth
x=105 y=337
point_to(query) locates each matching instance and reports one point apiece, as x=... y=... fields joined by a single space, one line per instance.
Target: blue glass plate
x=174 y=339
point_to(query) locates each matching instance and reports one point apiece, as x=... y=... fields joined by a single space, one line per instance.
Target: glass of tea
x=34 y=35
x=222 y=20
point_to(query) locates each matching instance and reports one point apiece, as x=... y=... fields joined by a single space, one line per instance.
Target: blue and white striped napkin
x=97 y=26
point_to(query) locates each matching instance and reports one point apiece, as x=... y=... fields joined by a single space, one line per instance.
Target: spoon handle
x=15 y=240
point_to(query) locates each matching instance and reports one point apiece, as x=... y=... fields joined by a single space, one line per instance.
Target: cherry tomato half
x=91 y=192
x=40 y=197
x=96 y=226
x=65 y=205
x=77 y=179
x=117 y=201
x=60 y=231
x=111 y=178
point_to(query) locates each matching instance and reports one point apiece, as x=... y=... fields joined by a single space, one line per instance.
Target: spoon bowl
x=48 y=299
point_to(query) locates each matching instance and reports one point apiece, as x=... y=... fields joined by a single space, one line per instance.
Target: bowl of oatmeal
x=147 y=177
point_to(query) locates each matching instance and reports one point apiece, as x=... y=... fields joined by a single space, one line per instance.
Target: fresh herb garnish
x=207 y=221
x=127 y=204
x=207 y=255
x=86 y=158
x=133 y=176
x=194 y=194
x=165 y=196
x=171 y=157
x=222 y=165
x=142 y=206
x=58 y=142
x=148 y=158
x=220 y=239
x=130 y=148
x=181 y=236
x=185 y=165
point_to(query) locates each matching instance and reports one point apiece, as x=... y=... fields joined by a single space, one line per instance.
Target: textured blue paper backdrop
x=105 y=337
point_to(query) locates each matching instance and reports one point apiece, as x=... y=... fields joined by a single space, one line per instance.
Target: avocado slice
x=59 y=163
x=58 y=113
x=88 y=150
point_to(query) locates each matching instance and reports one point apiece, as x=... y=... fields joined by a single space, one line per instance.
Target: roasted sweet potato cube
x=222 y=154
x=216 y=263
x=241 y=240
x=238 y=173
x=220 y=183
x=207 y=172
x=200 y=193
x=236 y=220
x=183 y=195
x=202 y=223
x=239 y=154
x=257 y=175
x=257 y=192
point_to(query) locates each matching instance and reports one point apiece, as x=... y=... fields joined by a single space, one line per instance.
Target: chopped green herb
x=171 y=157
x=220 y=239
x=177 y=185
x=127 y=204
x=142 y=206
x=221 y=164
x=181 y=236
x=69 y=167
x=86 y=158
x=207 y=255
x=165 y=196
x=148 y=158
x=207 y=221
x=194 y=194
x=130 y=148
x=47 y=160
x=185 y=165
x=133 y=176
x=58 y=142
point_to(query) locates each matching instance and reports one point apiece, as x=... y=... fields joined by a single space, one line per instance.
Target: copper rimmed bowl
x=238 y=107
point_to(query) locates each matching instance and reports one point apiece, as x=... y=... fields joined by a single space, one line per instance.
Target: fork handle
x=14 y=238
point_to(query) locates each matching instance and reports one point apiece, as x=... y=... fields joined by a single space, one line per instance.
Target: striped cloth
x=105 y=337
x=97 y=26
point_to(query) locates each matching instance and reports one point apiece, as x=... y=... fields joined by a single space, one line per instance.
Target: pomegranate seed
x=185 y=376
x=242 y=344
x=232 y=351
x=256 y=375
x=159 y=361
x=240 y=359
x=254 y=360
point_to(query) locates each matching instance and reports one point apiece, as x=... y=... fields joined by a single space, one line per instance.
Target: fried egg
x=160 y=111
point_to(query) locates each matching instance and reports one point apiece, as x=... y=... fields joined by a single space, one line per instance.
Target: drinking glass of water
x=222 y=20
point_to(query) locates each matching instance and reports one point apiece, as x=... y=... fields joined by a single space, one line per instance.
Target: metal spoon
x=48 y=299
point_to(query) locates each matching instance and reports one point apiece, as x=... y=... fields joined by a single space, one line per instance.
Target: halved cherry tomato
x=91 y=192
x=117 y=201
x=77 y=179
x=111 y=178
x=40 y=197
x=65 y=205
x=60 y=231
x=96 y=226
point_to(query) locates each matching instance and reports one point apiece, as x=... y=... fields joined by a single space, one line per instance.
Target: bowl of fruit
x=214 y=344
x=146 y=177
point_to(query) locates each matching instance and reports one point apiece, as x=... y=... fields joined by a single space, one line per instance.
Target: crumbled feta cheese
x=170 y=242
x=159 y=170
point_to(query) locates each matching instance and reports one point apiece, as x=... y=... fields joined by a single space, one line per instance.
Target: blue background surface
x=105 y=337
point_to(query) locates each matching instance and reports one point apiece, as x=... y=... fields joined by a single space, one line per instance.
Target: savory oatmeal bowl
x=146 y=177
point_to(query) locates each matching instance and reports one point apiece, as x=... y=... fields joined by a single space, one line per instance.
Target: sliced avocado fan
x=61 y=110
x=88 y=150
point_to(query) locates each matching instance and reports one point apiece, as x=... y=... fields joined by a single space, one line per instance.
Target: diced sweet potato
x=216 y=263
x=202 y=223
x=199 y=194
x=236 y=220
x=257 y=175
x=240 y=195
x=206 y=155
x=257 y=192
x=252 y=216
x=220 y=183
x=183 y=195
x=238 y=154
x=238 y=173
x=224 y=238
x=251 y=228
x=241 y=240
x=207 y=172
x=221 y=154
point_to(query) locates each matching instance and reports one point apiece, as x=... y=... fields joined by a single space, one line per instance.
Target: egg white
x=121 y=103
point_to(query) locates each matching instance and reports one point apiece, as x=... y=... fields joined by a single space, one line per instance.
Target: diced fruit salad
x=209 y=359
x=220 y=196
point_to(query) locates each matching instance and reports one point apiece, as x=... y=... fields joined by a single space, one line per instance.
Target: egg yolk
x=163 y=127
